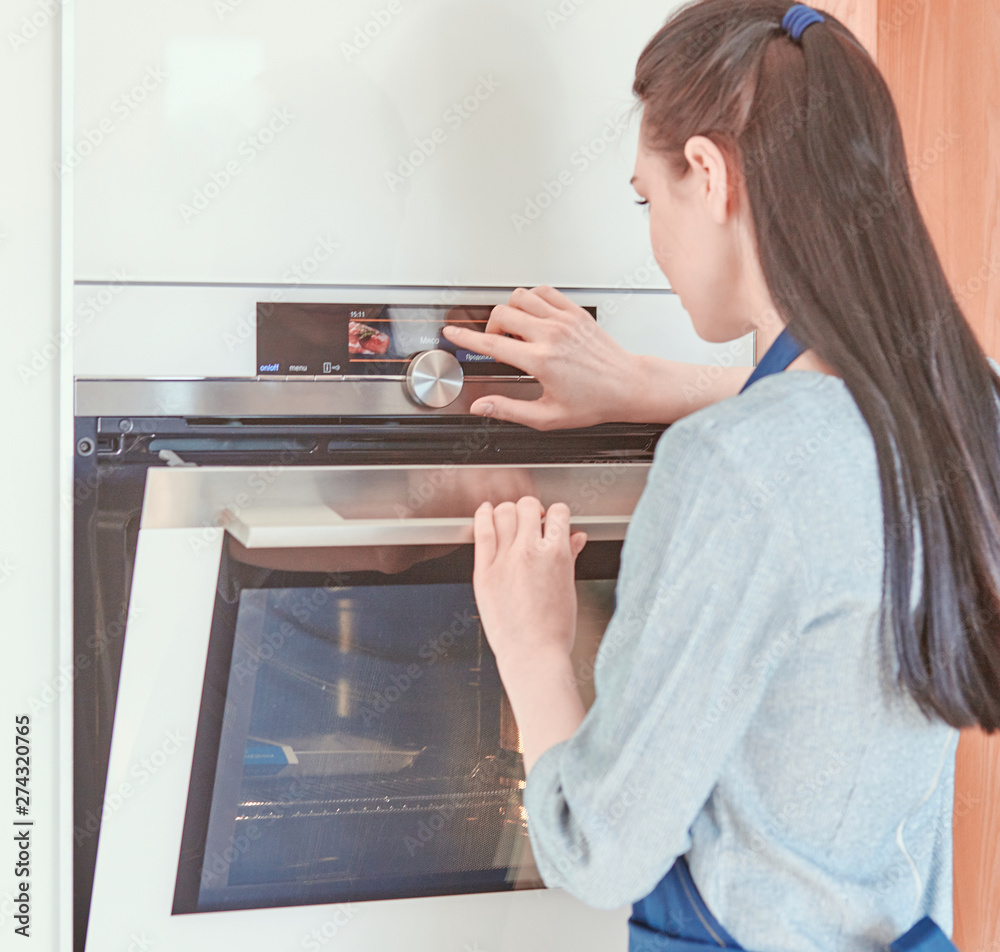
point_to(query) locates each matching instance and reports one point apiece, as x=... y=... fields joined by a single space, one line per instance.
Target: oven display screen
x=364 y=339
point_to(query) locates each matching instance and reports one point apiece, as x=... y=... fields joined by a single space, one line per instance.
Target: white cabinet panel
x=424 y=141
x=127 y=330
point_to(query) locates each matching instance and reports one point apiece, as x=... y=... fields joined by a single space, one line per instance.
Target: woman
x=808 y=603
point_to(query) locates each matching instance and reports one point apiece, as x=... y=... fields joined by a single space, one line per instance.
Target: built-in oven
x=289 y=727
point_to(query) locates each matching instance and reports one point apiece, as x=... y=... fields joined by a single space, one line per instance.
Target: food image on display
x=365 y=340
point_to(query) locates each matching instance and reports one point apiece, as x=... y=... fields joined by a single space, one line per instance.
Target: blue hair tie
x=798 y=19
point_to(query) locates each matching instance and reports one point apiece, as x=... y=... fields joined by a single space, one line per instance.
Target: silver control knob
x=434 y=378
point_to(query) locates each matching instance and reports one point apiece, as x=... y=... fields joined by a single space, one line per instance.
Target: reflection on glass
x=368 y=749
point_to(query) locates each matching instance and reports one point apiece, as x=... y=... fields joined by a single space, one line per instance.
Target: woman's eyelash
x=642 y=201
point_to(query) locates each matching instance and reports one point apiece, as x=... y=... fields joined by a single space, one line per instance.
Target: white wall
x=30 y=470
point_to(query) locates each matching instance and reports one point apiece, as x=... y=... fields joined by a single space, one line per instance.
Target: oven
x=289 y=730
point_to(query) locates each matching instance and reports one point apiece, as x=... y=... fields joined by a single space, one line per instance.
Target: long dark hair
x=811 y=130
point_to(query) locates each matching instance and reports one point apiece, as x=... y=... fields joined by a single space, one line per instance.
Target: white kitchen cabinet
x=422 y=142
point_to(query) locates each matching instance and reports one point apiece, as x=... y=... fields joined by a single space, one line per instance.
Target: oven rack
x=388 y=795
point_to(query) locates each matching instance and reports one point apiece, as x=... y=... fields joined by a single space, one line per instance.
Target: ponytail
x=811 y=130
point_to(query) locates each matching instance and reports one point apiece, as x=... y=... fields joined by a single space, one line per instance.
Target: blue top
x=740 y=717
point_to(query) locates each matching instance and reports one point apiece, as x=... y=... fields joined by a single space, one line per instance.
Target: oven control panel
x=369 y=340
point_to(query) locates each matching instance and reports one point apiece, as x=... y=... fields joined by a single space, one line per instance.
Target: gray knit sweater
x=742 y=717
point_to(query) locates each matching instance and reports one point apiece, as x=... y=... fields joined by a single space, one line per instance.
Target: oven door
x=312 y=747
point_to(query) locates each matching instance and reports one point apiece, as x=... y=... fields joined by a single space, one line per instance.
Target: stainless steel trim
x=251 y=396
x=494 y=377
x=182 y=497
x=374 y=377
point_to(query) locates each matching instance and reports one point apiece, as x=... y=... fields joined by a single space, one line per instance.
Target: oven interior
x=355 y=741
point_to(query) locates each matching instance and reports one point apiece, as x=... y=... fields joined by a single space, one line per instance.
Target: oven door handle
x=318 y=526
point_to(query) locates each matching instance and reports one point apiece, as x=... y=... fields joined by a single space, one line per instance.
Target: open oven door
x=311 y=744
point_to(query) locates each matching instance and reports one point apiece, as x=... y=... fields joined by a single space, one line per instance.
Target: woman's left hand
x=524 y=582
x=525 y=589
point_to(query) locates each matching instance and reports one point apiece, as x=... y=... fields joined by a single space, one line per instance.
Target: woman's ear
x=710 y=177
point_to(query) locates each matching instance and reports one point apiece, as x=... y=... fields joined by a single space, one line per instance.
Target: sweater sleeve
x=707 y=604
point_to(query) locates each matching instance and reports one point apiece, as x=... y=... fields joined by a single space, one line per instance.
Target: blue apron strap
x=779 y=355
x=925 y=936
x=674 y=917
x=644 y=939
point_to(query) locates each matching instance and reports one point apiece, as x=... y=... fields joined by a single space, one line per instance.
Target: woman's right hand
x=587 y=378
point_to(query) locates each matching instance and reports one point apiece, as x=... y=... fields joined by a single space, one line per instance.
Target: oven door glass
x=355 y=741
